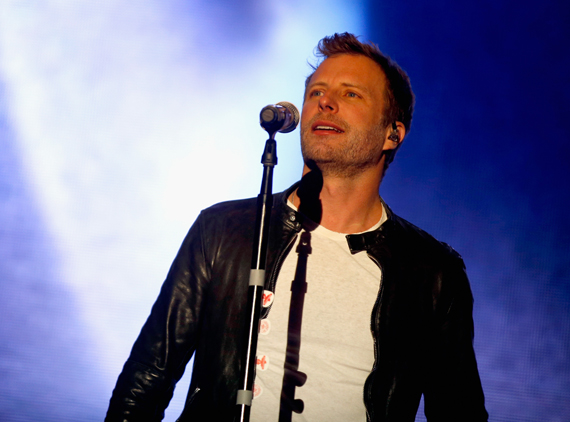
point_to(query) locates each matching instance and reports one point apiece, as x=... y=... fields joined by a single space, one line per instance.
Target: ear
x=394 y=136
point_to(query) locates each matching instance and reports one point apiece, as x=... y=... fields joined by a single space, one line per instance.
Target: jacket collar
x=356 y=242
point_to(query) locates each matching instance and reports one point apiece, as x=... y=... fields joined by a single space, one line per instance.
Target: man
x=364 y=312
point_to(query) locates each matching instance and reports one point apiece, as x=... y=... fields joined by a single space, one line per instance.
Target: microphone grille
x=294 y=112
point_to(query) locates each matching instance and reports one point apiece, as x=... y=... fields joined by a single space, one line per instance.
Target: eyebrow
x=344 y=84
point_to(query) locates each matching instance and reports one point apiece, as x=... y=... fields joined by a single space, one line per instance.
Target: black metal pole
x=256 y=280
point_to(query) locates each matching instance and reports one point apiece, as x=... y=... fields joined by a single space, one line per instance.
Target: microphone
x=282 y=117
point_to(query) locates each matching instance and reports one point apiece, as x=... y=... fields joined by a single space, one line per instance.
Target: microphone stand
x=256 y=280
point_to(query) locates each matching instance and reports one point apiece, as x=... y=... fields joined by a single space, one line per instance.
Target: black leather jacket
x=422 y=322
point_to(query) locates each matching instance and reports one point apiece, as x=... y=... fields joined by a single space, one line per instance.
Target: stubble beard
x=357 y=151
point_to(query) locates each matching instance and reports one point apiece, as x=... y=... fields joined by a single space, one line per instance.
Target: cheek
x=306 y=114
x=308 y=106
x=372 y=122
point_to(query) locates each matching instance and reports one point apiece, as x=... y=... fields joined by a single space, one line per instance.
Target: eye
x=352 y=94
x=315 y=93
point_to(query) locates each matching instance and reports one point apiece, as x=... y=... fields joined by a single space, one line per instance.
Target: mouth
x=326 y=127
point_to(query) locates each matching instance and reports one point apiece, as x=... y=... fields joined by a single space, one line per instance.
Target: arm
x=453 y=388
x=167 y=340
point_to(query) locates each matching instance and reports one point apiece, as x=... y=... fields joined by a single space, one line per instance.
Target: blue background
x=486 y=169
x=109 y=117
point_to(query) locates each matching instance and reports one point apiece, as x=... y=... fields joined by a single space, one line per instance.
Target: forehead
x=352 y=69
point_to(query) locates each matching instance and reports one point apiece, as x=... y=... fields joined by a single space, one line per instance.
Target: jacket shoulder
x=233 y=221
x=238 y=206
x=227 y=208
x=419 y=241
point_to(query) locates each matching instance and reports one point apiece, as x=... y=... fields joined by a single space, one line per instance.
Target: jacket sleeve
x=167 y=340
x=453 y=388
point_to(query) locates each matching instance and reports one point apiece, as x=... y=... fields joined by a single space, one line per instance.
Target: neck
x=347 y=205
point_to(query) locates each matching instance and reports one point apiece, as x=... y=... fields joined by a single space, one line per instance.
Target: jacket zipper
x=277 y=268
x=280 y=259
x=376 y=304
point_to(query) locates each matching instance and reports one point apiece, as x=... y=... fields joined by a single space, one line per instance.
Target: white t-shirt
x=336 y=349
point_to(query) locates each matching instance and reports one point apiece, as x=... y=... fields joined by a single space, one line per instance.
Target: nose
x=327 y=103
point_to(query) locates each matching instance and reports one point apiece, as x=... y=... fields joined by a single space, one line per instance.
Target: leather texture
x=421 y=323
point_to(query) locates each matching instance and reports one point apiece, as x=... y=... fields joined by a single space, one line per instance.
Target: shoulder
x=234 y=215
x=418 y=257
x=411 y=242
x=229 y=208
x=238 y=208
x=417 y=236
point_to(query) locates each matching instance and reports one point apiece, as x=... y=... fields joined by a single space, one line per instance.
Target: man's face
x=342 y=128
